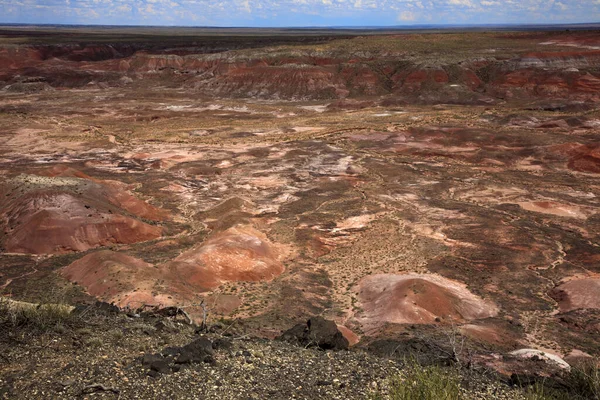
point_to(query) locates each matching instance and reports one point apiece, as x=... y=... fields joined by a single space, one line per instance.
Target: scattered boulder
x=156 y=363
x=171 y=359
x=539 y=355
x=200 y=350
x=316 y=332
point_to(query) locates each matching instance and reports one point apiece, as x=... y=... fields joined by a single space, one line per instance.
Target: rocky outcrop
x=316 y=332
x=173 y=359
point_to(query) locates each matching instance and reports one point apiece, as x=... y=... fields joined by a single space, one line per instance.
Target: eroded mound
x=418 y=299
x=114 y=191
x=51 y=215
x=116 y=278
x=583 y=158
x=240 y=253
x=578 y=293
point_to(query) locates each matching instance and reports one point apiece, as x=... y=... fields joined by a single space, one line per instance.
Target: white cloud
x=300 y=12
x=464 y=3
x=407 y=16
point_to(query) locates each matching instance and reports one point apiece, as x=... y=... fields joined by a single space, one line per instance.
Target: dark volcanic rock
x=171 y=358
x=316 y=332
x=156 y=362
x=200 y=350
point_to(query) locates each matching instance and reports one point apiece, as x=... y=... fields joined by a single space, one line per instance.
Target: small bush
x=581 y=383
x=33 y=316
x=584 y=380
x=94 y=342
x=426 y=383
x=539 y=391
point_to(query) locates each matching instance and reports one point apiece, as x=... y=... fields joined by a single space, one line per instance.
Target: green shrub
x=584 y=380
x=426 y=383
x=539 y=391
x=581 y=383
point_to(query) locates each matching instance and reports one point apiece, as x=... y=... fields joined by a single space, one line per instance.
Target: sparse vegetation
x=581 y=383
x=33 y=316
x=94 y=342
x=584 y=380
x=425 y=383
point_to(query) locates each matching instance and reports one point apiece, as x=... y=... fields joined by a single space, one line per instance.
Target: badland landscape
x=172 y=200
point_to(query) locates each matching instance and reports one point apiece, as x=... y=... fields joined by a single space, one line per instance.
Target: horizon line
x=349 y=27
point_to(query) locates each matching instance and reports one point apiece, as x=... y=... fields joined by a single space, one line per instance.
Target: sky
x=286 y=13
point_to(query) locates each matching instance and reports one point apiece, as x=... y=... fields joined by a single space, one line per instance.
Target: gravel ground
x=99 y=355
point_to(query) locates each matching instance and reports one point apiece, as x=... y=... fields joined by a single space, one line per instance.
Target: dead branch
x=186 y=315
x=229 y=326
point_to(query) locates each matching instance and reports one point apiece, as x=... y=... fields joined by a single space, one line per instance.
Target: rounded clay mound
x=238 y=254
x=578 y=293
x=116 y=278
x=52 y=215
x=418 y=299
x=114 y=191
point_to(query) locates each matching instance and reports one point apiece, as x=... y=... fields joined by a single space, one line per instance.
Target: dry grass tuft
x=38 y=316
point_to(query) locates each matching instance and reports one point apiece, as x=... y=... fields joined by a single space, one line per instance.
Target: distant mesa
x=300 y=74
x=578 y=293
x=66 y=211
x=418 y=299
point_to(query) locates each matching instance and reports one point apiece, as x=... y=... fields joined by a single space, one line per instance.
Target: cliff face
x=306 y=74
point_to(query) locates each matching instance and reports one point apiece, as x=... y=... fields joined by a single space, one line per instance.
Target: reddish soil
x=490 y=335
x=58 y=215
x=419 y=299
x=578 y=293
x=238 y=254
x=116 y=278
x=417 y=184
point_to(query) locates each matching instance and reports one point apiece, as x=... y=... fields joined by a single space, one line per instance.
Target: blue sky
x=297 y=12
